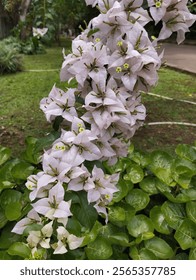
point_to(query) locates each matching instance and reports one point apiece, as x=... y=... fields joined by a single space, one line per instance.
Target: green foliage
x=10 y=60
x=151 y=219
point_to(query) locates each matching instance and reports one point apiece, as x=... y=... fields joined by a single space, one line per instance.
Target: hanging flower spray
x=111 y=62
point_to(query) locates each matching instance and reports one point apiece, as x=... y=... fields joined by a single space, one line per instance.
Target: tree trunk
x=5 y=24
x=23 y=14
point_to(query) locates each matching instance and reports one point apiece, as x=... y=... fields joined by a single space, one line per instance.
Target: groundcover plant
x=93 y=196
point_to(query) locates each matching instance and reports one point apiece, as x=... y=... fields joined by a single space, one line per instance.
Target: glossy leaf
x=140 y=158
x=148 y=184
x=120 y=238
x=139 y=224
x=183 y=196
x=134 y=173
x=116 y=214
x=73 y=226
x=143 y=254
x=174 y=213
x=3 y=219
x=19 y=249
x=159 y=221
x=186 y=151
x=30 y=155
x=192 y=254
x=159 y=247
x=100 y=249
x=13 y=211
x=5 y=154
x=92 y=235
x=186 y=234
x=191 y=210
x=161 y=186
x=9 y=197
x=6 y=185
x=85 y=212
x=138 y=199
x=124 y=187
x=183 y=171
x=7 y=237
x=22 y=170
x=161 y=163
x=5 y=256
x=5 y=171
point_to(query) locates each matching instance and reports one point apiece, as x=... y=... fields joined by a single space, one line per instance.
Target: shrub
x=152 y=216
x=10 y=59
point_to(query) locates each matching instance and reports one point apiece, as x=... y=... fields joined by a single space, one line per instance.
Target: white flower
x=41 y=237
x=59 y=103
x=65 y=238
x=54 y=206
x=55 y=170
x=32 y=218
x=39 y=32
x=99 y=186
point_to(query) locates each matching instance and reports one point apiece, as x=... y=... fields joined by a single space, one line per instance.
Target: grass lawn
x=21 y=93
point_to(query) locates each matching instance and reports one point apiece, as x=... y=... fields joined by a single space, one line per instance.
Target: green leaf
x=129 y=211
x=99 y=249
x=92 y=235
x=159 y=247
x=174 y=213
x=124 y=187
x=6 y=185
x=19 y=249
x=46 y=141
x=3 y=219
x=114 y=234
x=118 y=253
x=9 y=197
x=161 y=163
x=186 y=151
x=139 y=224
x=7 y=237
x=137 y=199
x=73 y=226
x=116 y=214
x=4 y=255
x=5 y=171
x=191 y=210
x=32 y=227
x=148 y=184
x=146 y=254
x=140 y=158
x=181 y=257
x=13 y=211
x=85 y=212
x=159 y=221
x=22 y=170
x=162 y=187
x=183 y=171
x=120 y=238
x=192 y=254
x=186 y=234
x=5 y=154
x=143 y=254
x=144 y=236
x=30 y=155
x=134 y=173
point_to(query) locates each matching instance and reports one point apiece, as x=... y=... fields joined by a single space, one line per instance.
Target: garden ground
x=21 y=93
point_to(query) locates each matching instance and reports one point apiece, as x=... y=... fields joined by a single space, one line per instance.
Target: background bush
x=10 y=59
